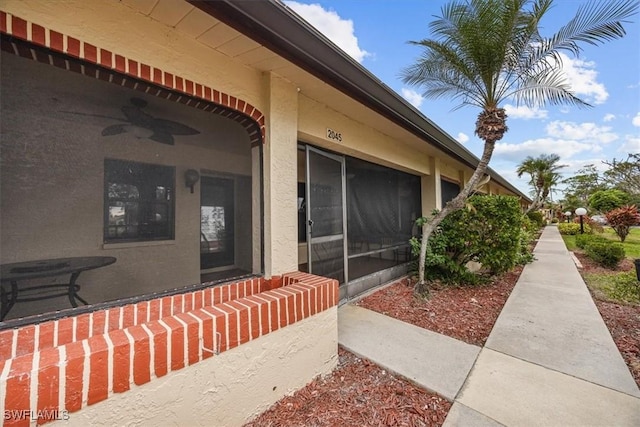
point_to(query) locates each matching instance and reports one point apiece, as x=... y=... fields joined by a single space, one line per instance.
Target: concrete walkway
x=549 y=360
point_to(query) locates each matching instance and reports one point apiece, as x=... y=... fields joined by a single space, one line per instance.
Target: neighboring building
x=245 y=174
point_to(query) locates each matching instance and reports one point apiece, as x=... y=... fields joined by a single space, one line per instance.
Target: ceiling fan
x=143 y=125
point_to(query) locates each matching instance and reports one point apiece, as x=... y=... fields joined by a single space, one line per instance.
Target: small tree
x=485 y=53
x=625 y=174
x=543 y=174
x=622 y=218
x=607 y=200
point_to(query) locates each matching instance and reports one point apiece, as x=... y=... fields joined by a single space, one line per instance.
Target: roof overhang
x=275 y=26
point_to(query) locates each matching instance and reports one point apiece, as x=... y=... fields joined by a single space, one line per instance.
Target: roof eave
x=275 y=26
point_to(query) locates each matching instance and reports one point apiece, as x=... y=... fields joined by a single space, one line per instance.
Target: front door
x=216 y=223
x=326 y=215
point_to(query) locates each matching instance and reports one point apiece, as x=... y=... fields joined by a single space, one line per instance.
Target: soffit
x=204 y=28
x=194 y=22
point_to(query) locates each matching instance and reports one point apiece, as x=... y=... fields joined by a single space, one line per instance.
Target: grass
x=631 y=243
x=615 y=286
x=618 y=287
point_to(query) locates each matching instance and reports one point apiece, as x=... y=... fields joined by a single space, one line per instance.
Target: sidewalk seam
x=557 y=371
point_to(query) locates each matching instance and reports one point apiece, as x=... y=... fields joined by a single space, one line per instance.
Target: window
x=139 y=202
x=449 y=191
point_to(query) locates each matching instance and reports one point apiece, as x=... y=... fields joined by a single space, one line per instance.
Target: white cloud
x=536 y=147
x=328 y=22
x=581 y=132
x=582 y=78
x=636 y=120
x=462 y=137
x=413 y=97
x=524 y=112
x=631 y=144
x=608 y=117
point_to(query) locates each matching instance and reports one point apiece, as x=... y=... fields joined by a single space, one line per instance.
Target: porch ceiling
x=218 y=36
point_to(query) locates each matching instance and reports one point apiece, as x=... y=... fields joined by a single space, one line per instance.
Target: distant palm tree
x=543 y=173
x=485 y=52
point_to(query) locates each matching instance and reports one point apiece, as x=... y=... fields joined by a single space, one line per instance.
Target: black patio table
x=21 y=271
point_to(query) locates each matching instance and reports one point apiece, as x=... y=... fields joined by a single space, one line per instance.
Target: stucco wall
x=357 y=139
x=228 y=389
x=280 y=176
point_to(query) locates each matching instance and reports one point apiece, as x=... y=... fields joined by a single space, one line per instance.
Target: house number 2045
x=332 y=134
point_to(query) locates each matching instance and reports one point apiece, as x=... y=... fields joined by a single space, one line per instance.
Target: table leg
x=73 y=288
x=7 y=301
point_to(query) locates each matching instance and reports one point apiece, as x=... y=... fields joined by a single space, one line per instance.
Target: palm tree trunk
x=421 y=289
x=536 y=204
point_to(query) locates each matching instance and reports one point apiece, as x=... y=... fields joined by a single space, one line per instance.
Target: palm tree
x=485 y=52
x=544 y=176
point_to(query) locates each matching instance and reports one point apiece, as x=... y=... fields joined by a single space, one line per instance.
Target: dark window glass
x=139 y=202
x=382 y=206
x=449 y=191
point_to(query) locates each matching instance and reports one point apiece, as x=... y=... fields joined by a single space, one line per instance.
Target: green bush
x=491 y=231
x=554 y=221
x=569 y=228
x=537 y=218
x=623 y=287
x=607 y=254
x=582 y=240
x=572 y=228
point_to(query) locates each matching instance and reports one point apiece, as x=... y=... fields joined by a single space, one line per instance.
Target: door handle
x=310 y=222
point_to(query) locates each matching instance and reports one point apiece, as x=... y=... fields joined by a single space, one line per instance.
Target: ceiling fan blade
x=173 y=128
x=113 y=130
x=136 y=116
x=162 y=137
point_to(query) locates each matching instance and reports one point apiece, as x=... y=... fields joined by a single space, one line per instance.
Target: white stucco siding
x=280 y=177
x=359 y=140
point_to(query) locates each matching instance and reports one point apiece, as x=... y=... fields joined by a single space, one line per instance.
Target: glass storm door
x=216 y=223
x=326 y=214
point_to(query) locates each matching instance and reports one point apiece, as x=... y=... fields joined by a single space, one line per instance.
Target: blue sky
x=376 y=32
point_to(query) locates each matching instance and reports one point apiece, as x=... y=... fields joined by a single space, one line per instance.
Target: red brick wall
x=65 y=365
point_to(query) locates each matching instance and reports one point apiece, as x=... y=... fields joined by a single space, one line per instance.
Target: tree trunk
x=536 y=204
x=421 y=289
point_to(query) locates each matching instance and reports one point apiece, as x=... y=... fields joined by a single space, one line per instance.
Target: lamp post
x=568 y=215
x=581 y=212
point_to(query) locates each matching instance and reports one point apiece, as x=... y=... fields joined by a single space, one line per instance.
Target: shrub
x=593 y=224
x=607 y=254
x=554 y=221
x=582 y=240
x=586 y=222
x=537 y=218
x=622 y=218
x=490 y=231
x=571 y=228
x=623 y=287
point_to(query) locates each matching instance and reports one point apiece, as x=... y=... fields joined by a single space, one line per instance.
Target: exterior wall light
x=581 y=212
x=191 y=177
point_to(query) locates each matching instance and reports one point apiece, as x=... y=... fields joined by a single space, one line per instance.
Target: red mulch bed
x=623 y=322
x=360 y=393
x=357 y=393
x=464 y=313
